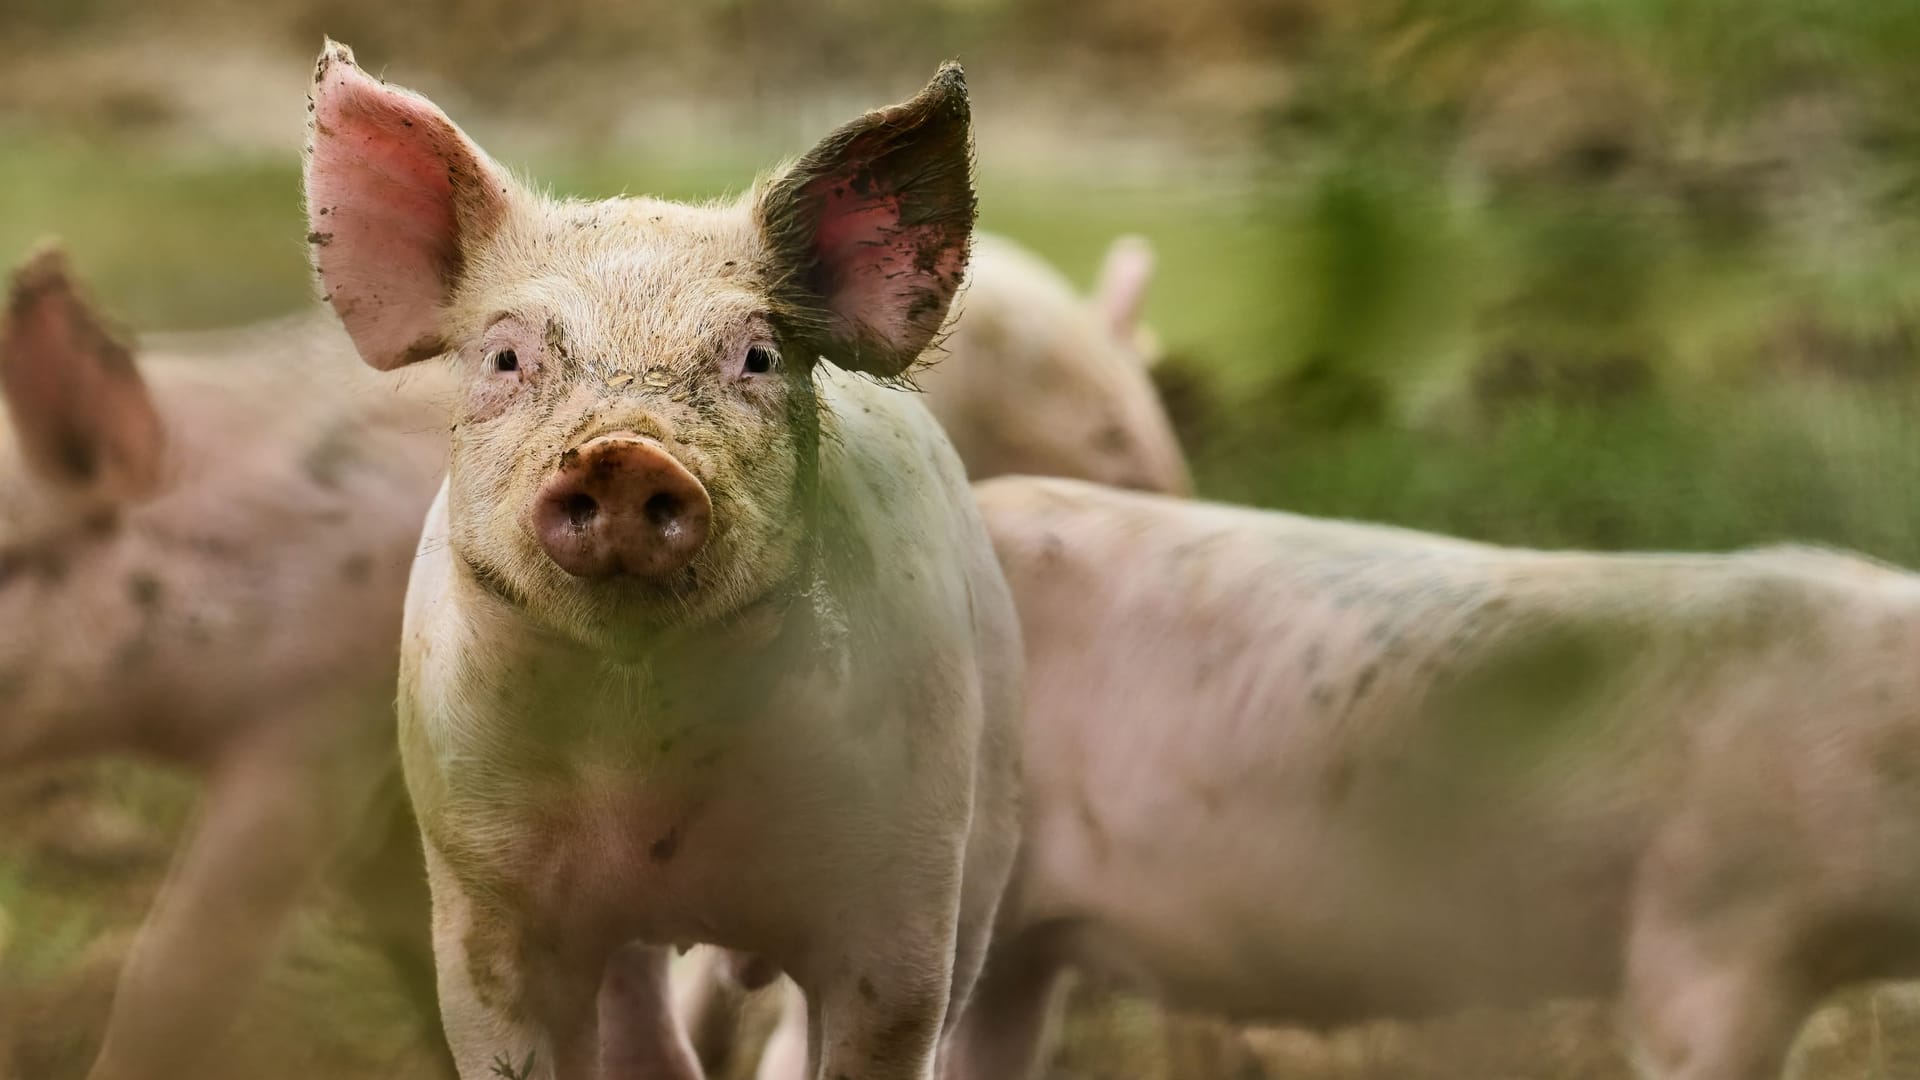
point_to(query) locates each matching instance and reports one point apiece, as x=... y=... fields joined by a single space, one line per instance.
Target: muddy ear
x=1122 y=291
x=396 y=198
x=79 y=406
x=868 y=234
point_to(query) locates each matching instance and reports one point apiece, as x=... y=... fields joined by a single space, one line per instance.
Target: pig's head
x=637 y=447
x=80 y=443
x=1045 y=381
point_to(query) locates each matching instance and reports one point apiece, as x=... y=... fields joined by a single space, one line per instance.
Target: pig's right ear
x=397 y=197
x=868 y=234
x=79 y=406
x=1124 y=277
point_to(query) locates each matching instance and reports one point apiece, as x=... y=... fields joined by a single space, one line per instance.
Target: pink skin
x=621 y=504
x=770 y=714
x=147 y=565
x=1298 y=770
x=386 y=223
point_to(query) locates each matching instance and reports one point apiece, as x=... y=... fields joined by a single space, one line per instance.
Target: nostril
x=662 y=510
x=580 y=509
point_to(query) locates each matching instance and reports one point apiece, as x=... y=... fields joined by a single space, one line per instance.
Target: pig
x=202 y=561
x=1037 y=380
x=1318 y=771
x=705 y=641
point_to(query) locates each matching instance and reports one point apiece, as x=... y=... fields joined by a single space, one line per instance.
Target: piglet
x=705 y=641
x=202 y=558
x=1038 y=380
x=1315 y=771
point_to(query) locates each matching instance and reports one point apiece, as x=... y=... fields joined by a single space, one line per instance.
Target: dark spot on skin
x=425 y=349
x=1311 y=662
x=663 y=849
x=867 y=992
x=356 y=569
x=1111 y=439
x=1365 y=682
x=74 y=453
x=1091 y=823
x=319 y=239
x=556 y=338
x=325 y=210
x=144 y=588
x=900 y=1040
x=1320 y=696
x=1339 y=783
x=50 y=567
x=327 y=462
x=1052 y=548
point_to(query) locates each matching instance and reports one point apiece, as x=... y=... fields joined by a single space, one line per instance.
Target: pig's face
x=638 y=445
x=637 y=424
x=1042 y=381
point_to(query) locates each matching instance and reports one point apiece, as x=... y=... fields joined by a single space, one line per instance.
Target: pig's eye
x=760 y=360
x=506 y=360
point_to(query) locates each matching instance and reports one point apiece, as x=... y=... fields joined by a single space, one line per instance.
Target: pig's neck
x=571 y=701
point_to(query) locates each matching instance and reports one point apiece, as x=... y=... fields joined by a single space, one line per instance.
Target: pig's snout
x=621 y=505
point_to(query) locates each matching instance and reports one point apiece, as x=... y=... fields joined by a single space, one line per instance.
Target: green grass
x=1376 y=273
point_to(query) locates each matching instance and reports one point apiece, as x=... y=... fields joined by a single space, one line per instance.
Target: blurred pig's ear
x=868 y=234
x=1124 y=278
x=396 y=198
x=79 y=407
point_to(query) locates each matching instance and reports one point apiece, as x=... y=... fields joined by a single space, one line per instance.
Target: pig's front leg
x=879 y=1014
x=272 y=815
x=518 y=1004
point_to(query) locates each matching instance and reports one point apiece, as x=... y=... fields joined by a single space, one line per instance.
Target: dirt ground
x=83 y=850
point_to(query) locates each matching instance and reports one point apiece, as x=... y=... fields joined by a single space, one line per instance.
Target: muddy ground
x=84 y=849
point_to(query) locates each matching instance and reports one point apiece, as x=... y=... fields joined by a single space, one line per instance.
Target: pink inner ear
x=1122 y=291
x=883 y=279
x=385 y=182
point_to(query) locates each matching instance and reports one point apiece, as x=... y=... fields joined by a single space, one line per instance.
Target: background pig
x=1318 y=771
x=705 y=641
x=1038 y=380
x=201 y=560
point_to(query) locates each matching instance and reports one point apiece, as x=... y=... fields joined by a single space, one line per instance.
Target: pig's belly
x=1321 y=919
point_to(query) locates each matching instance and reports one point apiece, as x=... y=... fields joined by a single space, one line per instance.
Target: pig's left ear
x=868 y=234
x=397 y=199
x=79 y=406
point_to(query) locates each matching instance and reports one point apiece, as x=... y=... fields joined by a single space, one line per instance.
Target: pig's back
x=295 y=487
x=1292 y=767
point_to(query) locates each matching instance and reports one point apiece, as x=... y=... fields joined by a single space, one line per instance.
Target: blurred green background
x=1618 y=273
x=1604 y=273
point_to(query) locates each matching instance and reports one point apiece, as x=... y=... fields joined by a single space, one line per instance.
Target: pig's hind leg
x=1716 y=979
